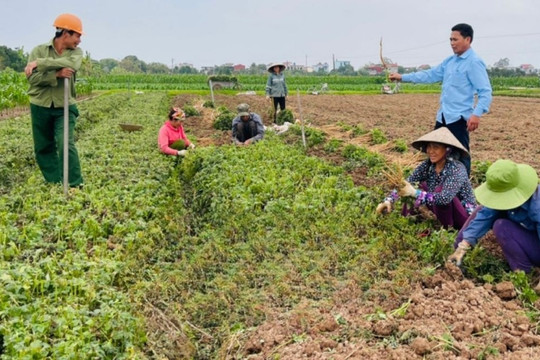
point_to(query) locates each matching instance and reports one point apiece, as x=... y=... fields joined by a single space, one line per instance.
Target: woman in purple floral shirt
x=443 y=183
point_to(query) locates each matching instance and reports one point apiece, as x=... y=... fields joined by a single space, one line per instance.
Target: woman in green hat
x=444 y=186
x=510 y=200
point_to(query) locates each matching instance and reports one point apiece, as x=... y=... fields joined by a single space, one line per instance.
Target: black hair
x=465 y=30
x=59 y=32
x=172 y=111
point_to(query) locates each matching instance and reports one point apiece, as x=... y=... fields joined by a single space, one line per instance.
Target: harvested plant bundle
x=394 y=175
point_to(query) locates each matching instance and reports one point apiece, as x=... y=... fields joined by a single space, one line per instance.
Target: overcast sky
x=211 y=32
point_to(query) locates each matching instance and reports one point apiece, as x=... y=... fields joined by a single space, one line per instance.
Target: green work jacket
x=45 y=88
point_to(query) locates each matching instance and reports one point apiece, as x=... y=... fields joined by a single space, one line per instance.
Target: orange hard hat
x=68 y=22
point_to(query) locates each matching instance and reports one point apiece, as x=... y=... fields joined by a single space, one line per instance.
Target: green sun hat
x=508 y=185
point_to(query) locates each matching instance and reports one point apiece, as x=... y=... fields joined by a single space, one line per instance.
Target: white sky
x=211 y=32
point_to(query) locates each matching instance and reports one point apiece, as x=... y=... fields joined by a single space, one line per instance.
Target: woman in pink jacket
x=172 y=140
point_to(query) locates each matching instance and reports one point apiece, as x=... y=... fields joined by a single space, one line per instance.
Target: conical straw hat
x=442 y=136
x=271 y=66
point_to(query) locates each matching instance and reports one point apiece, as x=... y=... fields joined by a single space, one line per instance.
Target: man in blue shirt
x=463 y=76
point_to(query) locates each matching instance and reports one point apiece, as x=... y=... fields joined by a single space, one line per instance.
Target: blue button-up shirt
x=527 y=215
x=462 y=77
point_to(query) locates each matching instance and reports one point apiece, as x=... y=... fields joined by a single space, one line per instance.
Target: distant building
x=374 y=69
x=294 y=66
x=239 y=67
x=409 y=69
x=528 y=69
x=342 y=63
x=228 y=66
x=207 y=70
x=184 y=65
x=424 y=67
x=378 y=69
x=321 y=67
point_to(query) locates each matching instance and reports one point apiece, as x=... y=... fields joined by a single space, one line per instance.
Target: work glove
x=457 y=256
x=537 y=288
x=407 y=190
x=191 y=146
x=182 y=153
x=384 y=208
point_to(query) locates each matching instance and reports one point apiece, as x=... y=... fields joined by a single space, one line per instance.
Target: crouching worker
x=172 y=139
x=510 y=205
x=444 y=187
x=247 y=127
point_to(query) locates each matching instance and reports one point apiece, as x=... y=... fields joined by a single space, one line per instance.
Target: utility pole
x=306 y=61
x=333 y=62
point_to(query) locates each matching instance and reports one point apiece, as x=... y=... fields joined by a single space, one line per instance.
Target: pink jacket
x=168 y=135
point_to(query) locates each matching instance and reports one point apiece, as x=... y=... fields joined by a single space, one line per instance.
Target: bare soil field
x=444 y=316
x=510 y=130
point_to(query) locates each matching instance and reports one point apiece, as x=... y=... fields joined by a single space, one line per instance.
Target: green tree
x=157 y=68
x=223 y=70
x=108 y=64
x=132 y=64
x=509 y=72
x=119 y=71
x=90 y=67
x=185 y=70
x=344 y=70
x=14 y=59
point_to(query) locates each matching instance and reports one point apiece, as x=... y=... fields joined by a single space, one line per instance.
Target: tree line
x=16 y=59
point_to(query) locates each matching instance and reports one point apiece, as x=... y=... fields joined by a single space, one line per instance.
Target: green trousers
x=48 y=133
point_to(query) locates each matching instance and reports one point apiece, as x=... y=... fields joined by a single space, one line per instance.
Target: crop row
x=63 y=275
x=147 y=252
x=13 y=86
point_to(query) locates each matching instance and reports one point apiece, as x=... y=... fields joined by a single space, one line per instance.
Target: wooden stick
x=66 y=135
x=301 y=118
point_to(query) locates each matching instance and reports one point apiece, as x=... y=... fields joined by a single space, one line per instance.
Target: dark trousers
x=246 y=130
x=449 y=215
x=278 y=101
x=520 y=246
x=48 y=134
x=459 y=130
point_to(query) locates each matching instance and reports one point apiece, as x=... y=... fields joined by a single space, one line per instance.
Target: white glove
x=191 y=146
x=407 y=190
x=182 y=153
x=384 y=208
x=457 y=256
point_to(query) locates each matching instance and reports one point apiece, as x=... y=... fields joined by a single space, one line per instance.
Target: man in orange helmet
x=48 y=65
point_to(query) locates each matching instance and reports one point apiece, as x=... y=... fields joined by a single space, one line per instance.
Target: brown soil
x=509 y=131
x=447 y=316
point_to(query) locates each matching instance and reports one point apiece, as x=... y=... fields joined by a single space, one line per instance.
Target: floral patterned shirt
x=441 y=188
